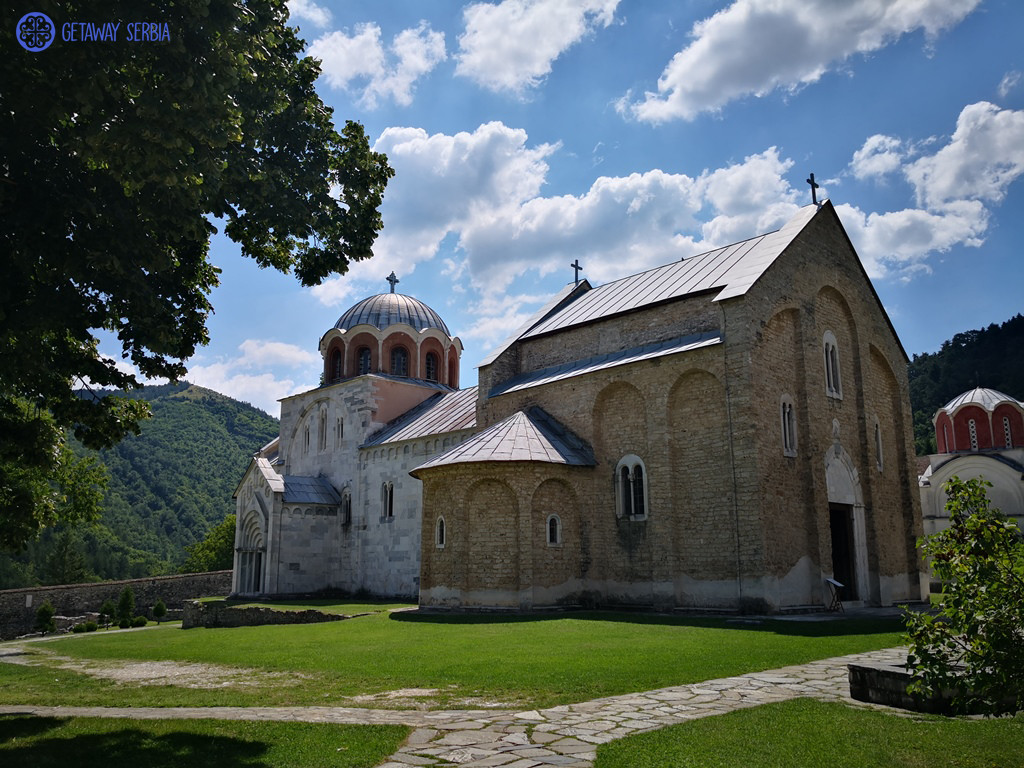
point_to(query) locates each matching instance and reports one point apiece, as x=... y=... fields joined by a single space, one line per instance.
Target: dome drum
x=395 y=335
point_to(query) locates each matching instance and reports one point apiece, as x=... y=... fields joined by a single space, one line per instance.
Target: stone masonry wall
x=219 y=615
x=819 y=286
x=18 y=606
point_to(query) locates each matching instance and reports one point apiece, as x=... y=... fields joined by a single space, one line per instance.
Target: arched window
x=339 y=432
x=346 y=506
x=878 y=446
x=972 y=427
x=1007 y=433
x=387 y=500
x=305 y=439
x=945 y=440
x=335 y=374
x=554 y=531
x=399 y=361
x=439 y=533
x=833 y=384
x=321 y=435
x=788 y=423
x=431 y=366
x=364 y=360
x=631 y=488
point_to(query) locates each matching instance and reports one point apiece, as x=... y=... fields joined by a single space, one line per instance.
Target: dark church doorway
x=841 y=523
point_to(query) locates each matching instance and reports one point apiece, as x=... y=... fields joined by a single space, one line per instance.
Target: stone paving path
x=566 y=735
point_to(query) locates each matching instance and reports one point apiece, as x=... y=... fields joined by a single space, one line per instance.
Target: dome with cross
x=387 y=309
x=394 y=335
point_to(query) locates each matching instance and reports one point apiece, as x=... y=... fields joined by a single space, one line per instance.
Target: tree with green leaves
x=119 y=162
x=216 y=552
x=159 y=610
x=973 y=646
x=125 y=607
x=107 y=612
x=44 y=617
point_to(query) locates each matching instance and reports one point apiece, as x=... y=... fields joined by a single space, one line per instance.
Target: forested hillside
x=992 y=357
x=167 y=488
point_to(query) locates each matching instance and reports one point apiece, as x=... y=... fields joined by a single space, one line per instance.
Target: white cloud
x=879 y=155
x=627 y=224
x=262 y=388
x=1010 y=81
x=901 y=241
x=307 y=10
x=954 y=186
x=360 y=64
x=442 y=184
x=754 y=47
x=257 y=353
x=510 y=46
x=984 y=156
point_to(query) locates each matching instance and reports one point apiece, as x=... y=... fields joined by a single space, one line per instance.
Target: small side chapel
x=724 y=432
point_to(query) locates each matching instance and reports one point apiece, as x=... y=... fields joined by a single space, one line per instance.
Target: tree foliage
x=167 y=487
x=216 y=552
x=974 y=645
x=125 y=606
x=989 y=357
x=44 y=617
x=117 y=159
x=52 y=485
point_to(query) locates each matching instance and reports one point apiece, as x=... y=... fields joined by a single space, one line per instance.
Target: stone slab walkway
x=566 y=736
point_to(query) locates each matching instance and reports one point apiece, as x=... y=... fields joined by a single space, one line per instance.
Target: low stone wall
x=217 y=615
x=884 y=684
x=18 y=606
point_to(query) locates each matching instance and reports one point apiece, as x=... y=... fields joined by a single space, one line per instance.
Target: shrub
x=974 y=645
x=126 y=605
x=107 y=612
x=140 y=621
x=78 y=629
x=90 y=626
x=159 y=610
x=44 y=618
x=124 y=623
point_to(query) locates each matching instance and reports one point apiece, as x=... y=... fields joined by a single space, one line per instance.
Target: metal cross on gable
x=576 y=271
x=814 y=189
x=393 y=279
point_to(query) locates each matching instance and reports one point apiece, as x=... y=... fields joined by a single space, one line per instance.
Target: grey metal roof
x=386 y=309
x=309 y=490
x=261 y=465
x=980 y=396
x=611 y=360
x=731 y=270
x=438 y=414
x=532 y=435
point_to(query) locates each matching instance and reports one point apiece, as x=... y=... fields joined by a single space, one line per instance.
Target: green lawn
x=805 y=732
x=44 y=742
x=515 y=661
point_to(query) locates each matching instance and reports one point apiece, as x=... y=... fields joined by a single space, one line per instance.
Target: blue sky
x=630 y=133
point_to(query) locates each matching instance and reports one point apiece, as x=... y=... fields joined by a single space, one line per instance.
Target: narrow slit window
x=833 y=381
x=554 y=528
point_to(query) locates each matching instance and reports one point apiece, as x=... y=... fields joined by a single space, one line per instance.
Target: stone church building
x=723 y=432
x=979 y=433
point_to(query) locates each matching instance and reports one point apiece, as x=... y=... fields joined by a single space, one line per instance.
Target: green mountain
x=168 y=487
x=990 y=357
